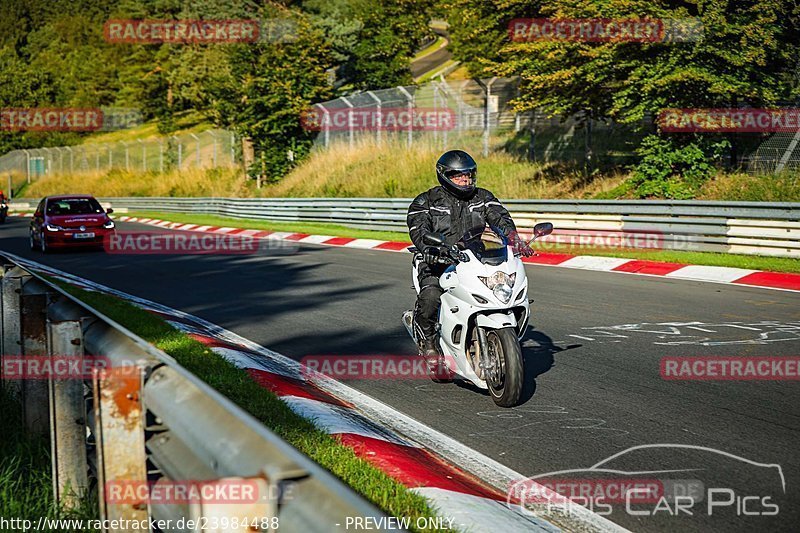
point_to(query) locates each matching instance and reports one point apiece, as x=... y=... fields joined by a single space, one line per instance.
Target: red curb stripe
x=648 y=267
x=416 y=467
x=212 y=228
x=392 y=245
x=548 y=258
x=338 y=241
x=262 y=234
x=284 y=386
x=236 y=231
x=296 y=236
x=771 y=279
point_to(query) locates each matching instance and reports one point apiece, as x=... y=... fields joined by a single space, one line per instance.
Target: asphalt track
x=592 y=357
x=431 y=61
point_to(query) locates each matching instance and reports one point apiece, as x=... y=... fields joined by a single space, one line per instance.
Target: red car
x=69 y=221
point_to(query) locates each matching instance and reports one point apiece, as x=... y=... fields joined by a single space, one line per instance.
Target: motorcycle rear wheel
x=503 y=346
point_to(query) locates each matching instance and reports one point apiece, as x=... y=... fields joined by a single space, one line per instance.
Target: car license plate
x=83 y=235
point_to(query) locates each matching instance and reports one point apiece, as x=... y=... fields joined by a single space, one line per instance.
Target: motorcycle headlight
x=109 y=224
x=53 y=227
x=499 y=278
x=502 y=292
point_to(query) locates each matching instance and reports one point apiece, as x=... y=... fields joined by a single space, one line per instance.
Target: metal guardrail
x=144 y=421
x=756 y=228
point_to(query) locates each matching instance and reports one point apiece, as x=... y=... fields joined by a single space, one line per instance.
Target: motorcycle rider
x=456 y=208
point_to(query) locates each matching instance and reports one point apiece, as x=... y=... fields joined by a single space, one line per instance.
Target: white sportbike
x=483 y=314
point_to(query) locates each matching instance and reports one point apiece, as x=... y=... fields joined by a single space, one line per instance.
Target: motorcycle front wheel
x=504 y=350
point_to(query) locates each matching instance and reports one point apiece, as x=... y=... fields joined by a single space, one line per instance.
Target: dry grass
x=391 y=170
x=192 y=182
x=369 y=170
x=771 y=188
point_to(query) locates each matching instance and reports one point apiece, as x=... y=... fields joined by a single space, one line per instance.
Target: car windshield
x=73 y=206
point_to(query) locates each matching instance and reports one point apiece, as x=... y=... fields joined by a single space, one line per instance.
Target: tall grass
x=26 y=489
x=392 y=170
x=190 y=182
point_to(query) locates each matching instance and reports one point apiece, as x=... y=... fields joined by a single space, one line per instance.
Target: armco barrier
x=734 y=227
x=145 y=420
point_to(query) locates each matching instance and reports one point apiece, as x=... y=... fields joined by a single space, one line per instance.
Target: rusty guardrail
x=142 y=420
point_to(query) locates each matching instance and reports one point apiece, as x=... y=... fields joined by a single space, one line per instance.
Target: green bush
x=671 y=170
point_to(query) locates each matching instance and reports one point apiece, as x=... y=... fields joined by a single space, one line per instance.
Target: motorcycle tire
x=504 y=345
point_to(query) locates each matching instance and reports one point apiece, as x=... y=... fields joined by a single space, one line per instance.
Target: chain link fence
x=779 y=153
x=474 y=115
x=477 y=115
x=206 y=149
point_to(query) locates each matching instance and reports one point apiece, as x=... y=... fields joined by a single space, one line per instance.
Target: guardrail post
x=35 y=396
x=67 y=415
x=119 y=430
x=12 y=281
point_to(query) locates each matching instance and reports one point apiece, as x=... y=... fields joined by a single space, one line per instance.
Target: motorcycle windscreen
x=489 y=247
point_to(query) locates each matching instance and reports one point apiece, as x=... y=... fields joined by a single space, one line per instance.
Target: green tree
x=266 y=88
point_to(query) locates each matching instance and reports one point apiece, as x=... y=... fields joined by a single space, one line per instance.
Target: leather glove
x=521 y=246
x=431 y=255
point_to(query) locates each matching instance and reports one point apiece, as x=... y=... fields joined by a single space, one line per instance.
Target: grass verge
x=755 y=262
x=236 y=384
x=26 y=483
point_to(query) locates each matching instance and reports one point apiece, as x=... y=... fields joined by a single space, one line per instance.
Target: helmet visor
x=463 y=179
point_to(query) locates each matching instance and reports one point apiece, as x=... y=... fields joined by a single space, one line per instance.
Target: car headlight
x=499 y=278
x=53 y=227
x=109 y=224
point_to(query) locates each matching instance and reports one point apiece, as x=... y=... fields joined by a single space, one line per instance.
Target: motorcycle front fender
x=496 y=320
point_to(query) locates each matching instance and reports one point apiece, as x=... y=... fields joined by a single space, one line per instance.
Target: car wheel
x=33 y=243
x=43 y=244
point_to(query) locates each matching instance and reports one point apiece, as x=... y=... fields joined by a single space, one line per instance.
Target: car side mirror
x=541 y=229
x=433 y=239
x=109 y=211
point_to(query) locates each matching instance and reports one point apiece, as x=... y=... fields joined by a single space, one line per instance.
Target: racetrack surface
x=593 y=357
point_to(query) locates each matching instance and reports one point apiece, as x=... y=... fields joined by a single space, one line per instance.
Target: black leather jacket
x=438 y=211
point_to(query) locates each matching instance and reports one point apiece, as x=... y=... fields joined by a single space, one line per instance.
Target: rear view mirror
x=433 y=239
x=541 y=229
x=109 y=211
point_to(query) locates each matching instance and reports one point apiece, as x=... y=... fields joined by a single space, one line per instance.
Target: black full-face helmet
x=457 y=164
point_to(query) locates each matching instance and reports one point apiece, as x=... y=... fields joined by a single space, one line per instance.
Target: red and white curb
x=714 y=274
x=467 y=488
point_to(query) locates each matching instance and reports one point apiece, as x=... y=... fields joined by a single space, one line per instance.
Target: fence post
x=144 y=155
x=349 y=121
x=110 y=158
x=60 y=159
x=67 y=416
x=34 y=392
x=410 y=98
x=28 y=166
x=233 y=152
x=127 y=156
x=326 y=125
x=214 y=140
x=180 y=152
x=161 y=155
x=487 y=126
x=197 y=146
x=379 y=117
x=436 y=114
x=11 y=285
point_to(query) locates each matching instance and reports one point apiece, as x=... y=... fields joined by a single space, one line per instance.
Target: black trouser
x=427 y=307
